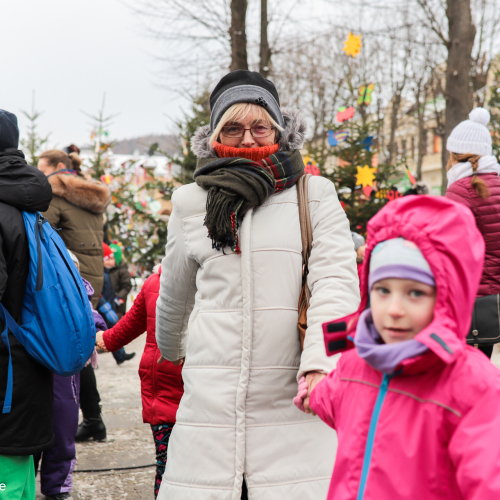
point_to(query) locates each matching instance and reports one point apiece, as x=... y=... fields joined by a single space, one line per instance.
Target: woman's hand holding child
x=306 y=386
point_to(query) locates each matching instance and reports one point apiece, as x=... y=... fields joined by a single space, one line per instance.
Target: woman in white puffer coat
x=230 y=285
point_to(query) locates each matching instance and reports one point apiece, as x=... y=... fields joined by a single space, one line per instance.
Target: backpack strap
x=11 y=325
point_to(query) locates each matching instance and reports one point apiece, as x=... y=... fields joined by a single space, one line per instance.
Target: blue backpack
x=57 y=326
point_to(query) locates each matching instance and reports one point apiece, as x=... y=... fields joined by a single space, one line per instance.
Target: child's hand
x=99 y=341
x=302 y=392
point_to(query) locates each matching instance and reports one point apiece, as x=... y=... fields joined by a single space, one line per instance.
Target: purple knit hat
x=399 y=258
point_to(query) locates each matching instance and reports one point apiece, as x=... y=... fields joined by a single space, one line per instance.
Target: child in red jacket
x=161 y=384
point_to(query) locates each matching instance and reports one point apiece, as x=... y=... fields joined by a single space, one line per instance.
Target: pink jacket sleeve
x=324 y=397
x=475 y=448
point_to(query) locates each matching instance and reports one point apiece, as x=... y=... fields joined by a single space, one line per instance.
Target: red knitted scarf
x=255 y=154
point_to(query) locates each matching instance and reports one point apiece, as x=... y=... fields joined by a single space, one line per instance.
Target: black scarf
x=235 y=185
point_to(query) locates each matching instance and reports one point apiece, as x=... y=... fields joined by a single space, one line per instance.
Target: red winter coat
x=487 y=214
x=161 y=385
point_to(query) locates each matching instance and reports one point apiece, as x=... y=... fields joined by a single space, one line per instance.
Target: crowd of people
x=391 y=388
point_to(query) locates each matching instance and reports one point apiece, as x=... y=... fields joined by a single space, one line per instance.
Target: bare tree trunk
x=396 y=103
x=237 y=32
x=420 y=102
x=422 y=143
x=458 y=89
x=265 y=51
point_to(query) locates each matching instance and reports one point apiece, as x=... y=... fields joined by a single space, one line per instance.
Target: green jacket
x=77 y=209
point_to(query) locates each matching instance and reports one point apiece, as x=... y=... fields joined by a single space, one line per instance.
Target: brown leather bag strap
x=305 y=219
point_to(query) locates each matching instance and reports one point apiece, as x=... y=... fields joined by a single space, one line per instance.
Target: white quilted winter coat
x=234 y=318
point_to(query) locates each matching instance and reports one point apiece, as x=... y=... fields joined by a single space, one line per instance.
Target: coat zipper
x=371 y=434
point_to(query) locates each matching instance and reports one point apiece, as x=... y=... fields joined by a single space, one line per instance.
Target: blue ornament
x=332 y=140
x=367 y=142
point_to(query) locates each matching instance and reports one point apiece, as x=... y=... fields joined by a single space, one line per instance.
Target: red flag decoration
x=410 y=176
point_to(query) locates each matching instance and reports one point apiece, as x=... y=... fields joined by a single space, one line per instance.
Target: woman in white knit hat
x=473 y=179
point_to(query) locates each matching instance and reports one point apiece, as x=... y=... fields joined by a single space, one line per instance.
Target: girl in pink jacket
x=417 y=412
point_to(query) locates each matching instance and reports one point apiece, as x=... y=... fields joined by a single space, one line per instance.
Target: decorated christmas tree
x=198 y=116
x=133 y=216
x=363 y=184
x=351 y=159
x=494 y=109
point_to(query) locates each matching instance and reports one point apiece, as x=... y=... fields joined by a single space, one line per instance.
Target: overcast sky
x=71 y=52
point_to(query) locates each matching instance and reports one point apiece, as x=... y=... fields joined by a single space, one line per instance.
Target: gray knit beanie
x=399 y=258
x=471 y=136
x=244 y=86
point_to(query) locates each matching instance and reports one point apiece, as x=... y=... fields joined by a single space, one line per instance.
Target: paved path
x=129 y=442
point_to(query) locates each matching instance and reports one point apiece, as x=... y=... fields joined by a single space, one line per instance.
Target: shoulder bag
x=306 y=233
x=485 y=327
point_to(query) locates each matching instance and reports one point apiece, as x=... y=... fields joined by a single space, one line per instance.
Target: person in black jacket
x=29 y=427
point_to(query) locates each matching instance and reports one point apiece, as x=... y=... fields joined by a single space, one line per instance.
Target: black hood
x=21 y=185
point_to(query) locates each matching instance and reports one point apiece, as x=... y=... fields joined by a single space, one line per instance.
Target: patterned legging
x=161 y=435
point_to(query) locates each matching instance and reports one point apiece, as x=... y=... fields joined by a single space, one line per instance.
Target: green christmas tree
x=133 y=215
x=33 y=143
x=494 y=109
x=364 y=186
x=198 y=116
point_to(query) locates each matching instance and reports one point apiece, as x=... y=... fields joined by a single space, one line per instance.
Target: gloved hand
x=302 y=392
x=119 y=301
x=306 y=386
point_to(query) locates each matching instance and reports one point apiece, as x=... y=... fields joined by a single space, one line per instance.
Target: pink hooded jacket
x=432 y=429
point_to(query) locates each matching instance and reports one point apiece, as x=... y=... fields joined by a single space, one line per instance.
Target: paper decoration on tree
x=393 y=194
x=410 y=176
x=345 y=114
x=365 y=176
x=352 y=45
x=367 y=191
x=155 y=206
x=311 y=167
x=106 y=178
x=367 y=142
x=335 y=137
x=365 y=94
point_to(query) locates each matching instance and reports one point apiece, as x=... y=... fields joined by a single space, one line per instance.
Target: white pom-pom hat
x=471 y=136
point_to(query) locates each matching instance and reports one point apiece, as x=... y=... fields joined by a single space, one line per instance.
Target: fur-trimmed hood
x=92 y=196
x=290 y=139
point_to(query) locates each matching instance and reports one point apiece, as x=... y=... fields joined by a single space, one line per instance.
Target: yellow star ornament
x=365 y=176
x=352 y=45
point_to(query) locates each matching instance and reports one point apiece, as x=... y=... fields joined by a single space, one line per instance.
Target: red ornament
x=393 y=194
x=345 y=114
x=367 y=191
x=311 y=168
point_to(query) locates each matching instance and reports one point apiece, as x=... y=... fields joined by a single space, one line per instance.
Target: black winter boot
x=127 y=357
x=59 y=496
x=91 y=428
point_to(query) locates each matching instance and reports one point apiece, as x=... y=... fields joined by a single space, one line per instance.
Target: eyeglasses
x=237 y=132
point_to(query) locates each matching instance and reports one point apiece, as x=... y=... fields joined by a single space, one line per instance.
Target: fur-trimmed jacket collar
x=92 y=196
x=290 y=139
